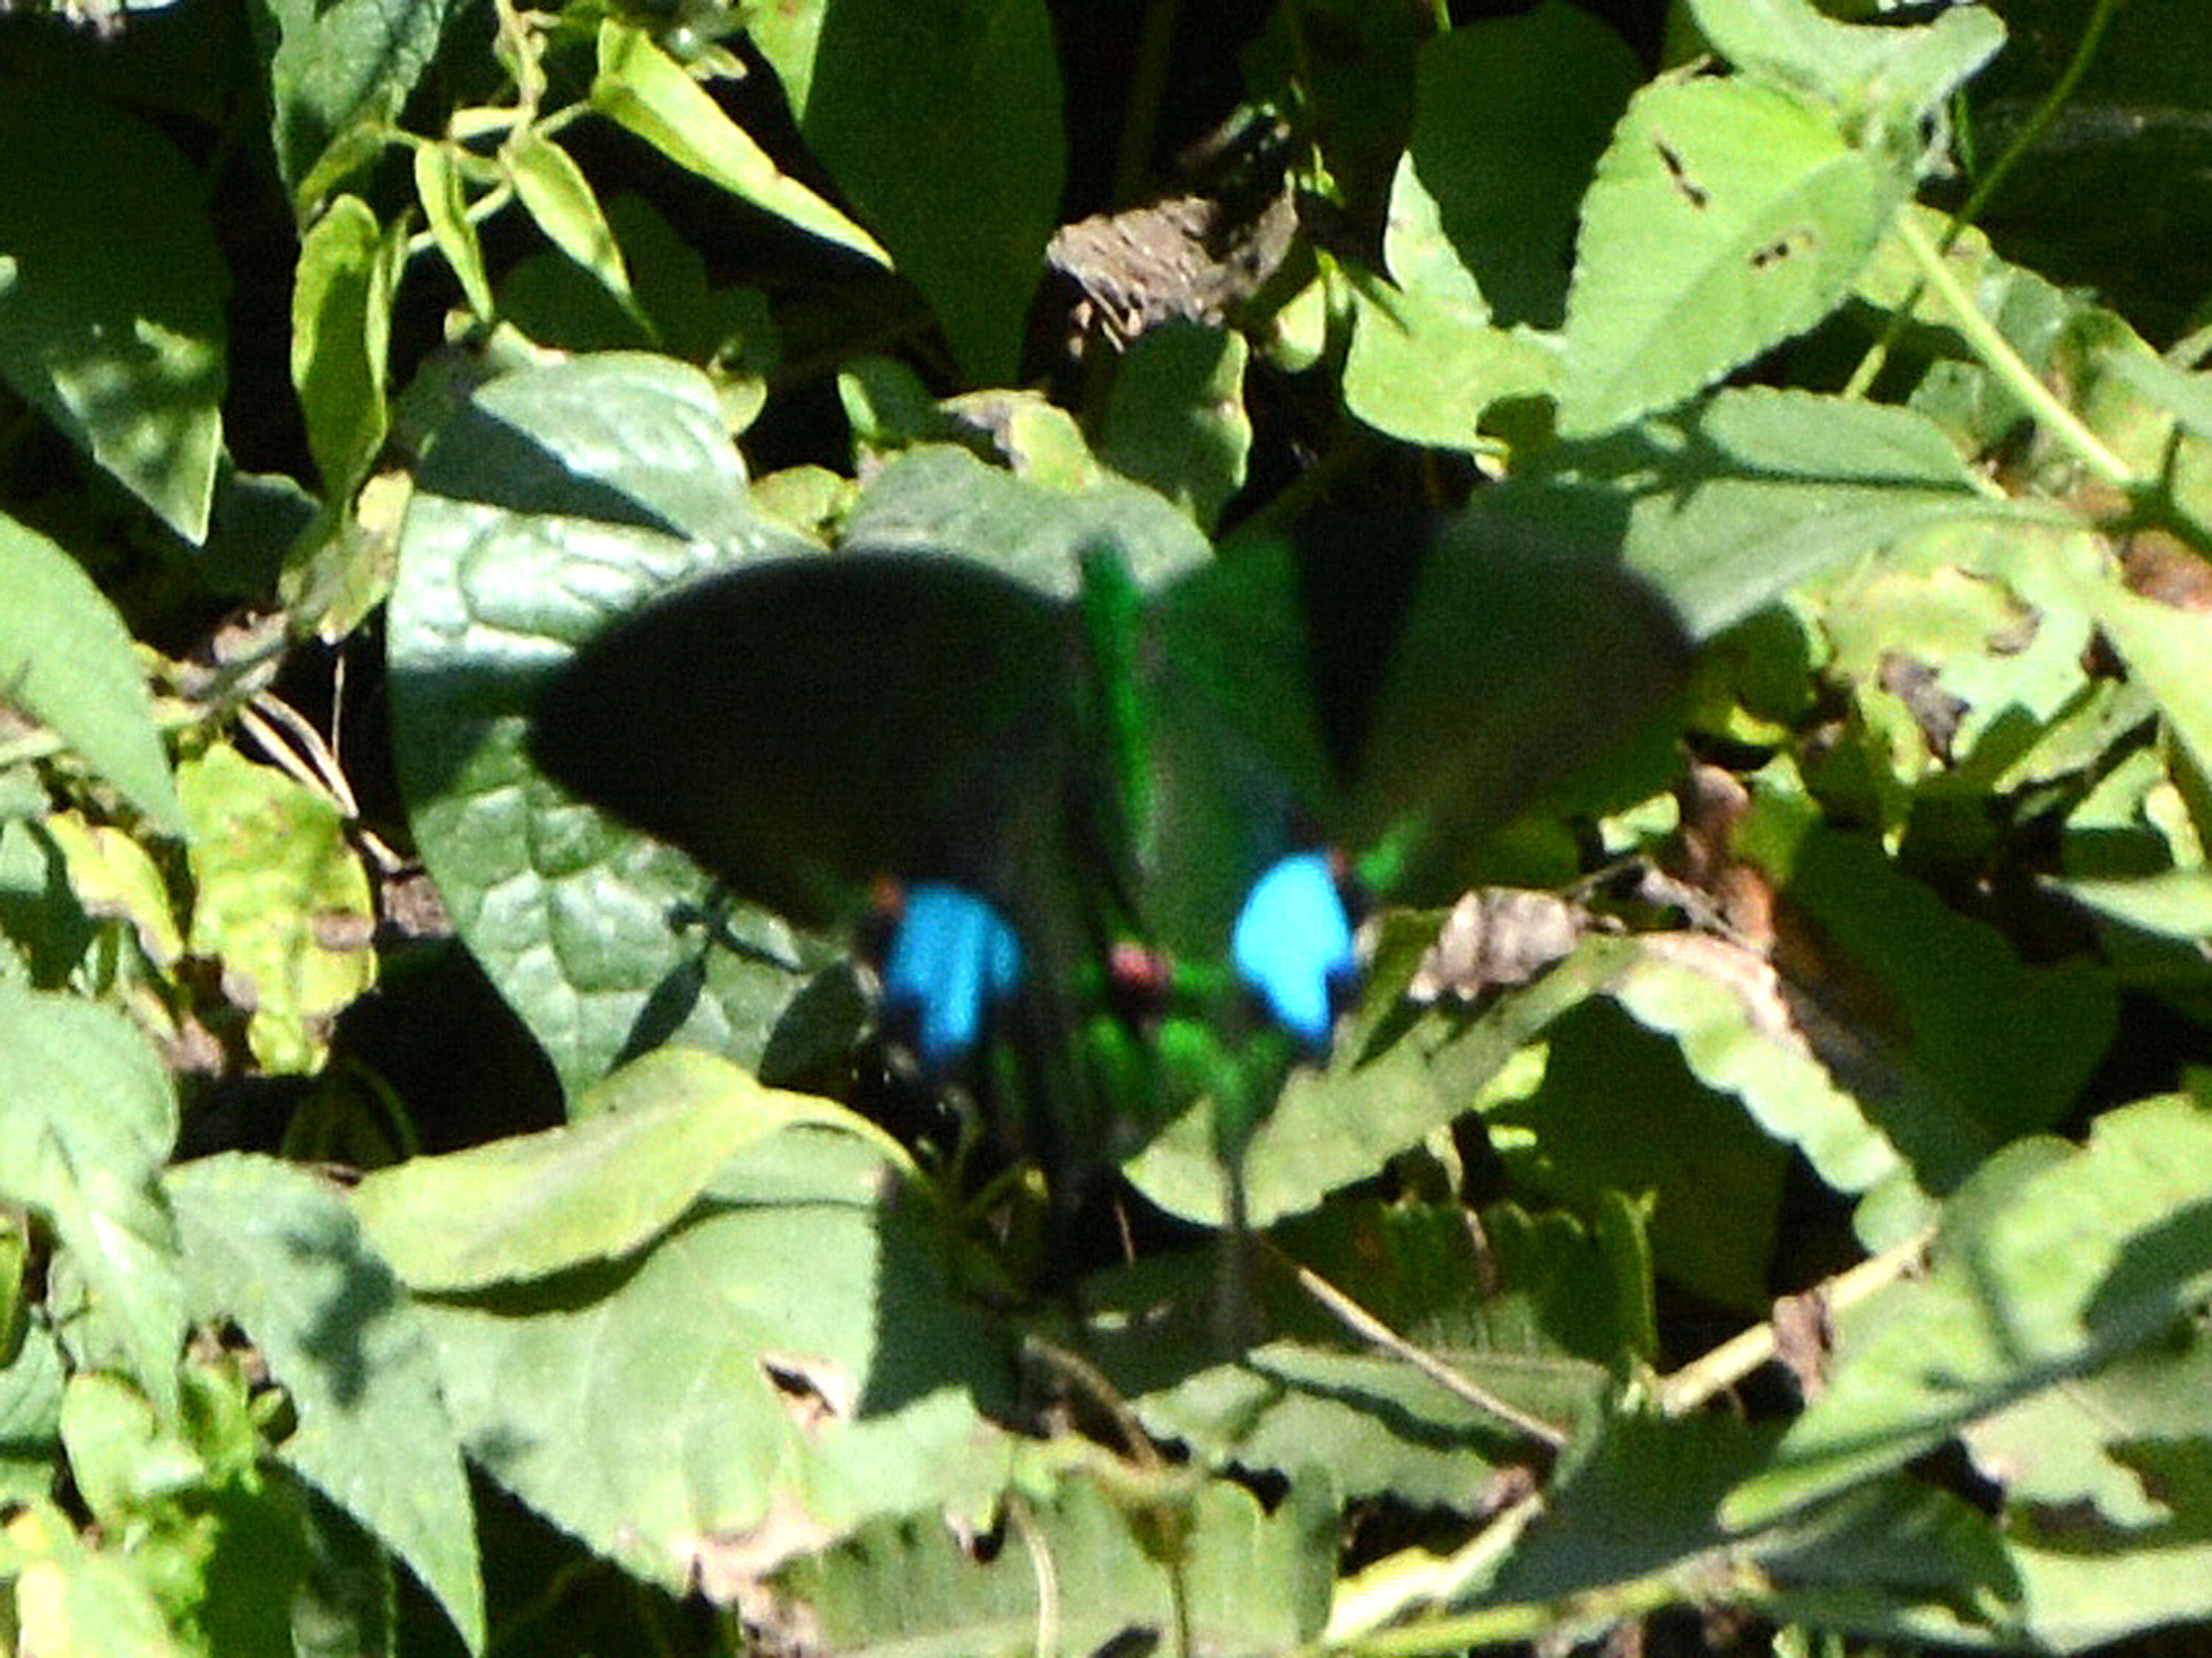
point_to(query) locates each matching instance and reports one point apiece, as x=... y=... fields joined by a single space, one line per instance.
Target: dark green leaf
x=957 y=169
x=112 y=296
x=339 y=70
x=1499 y=172
x=558 y=498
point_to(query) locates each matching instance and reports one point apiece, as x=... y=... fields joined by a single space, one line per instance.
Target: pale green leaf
x=2175 y=903
x=2061 y=1448
x=2088 y=1585
x=560 y=198
x=2037 y=1284
x=282 y=902
x=269 y=1245
x=1255 y=1583
x=90 y=1120
x=120 y=1459
x=113 y=875
x=1892 y=71
x=1426 y=369
x=71 y=1602
x=1725 y=217
x=2166 y=649
x=112 y=294
x=66 y=660
x=787 y=1362
x=1731 y=1015
x=341 y=335
x=439 y=188
x=642 y=88
x=646 y=1141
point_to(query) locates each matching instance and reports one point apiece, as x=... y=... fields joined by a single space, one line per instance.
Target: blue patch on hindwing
x=951 y=956
x=1292 y=943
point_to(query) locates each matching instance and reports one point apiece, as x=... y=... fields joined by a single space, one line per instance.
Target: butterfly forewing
x=805 y=726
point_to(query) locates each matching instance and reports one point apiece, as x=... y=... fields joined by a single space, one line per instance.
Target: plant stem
x=2003 y=361
x=1737 y=1358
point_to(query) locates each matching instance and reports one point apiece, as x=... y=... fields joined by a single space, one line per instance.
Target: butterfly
x=1109 y=834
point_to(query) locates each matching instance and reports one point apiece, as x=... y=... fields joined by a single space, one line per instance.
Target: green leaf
x=341 y=336
x=2174 y=904
x=2164 y=648
x=1650 y=1504
x=1954 y=1045
x=66 y=659
x=956 y=166
x=439 y=188
x=1692 y=1155
x=111 y=320
x=2187 y=396
x=1732 y=1018
x=2038 y=1277
x=269 y=1245
x=647 y=91
x=1177 y=421
x=121 y=1460
x=1896 y=74
x=787 y=36
x=1425 y=369
x=1487 y=193
x=69 y=1599
x=555 y=499
x=1736 y=500
x=2087 y=1580
x=560 y=198
x=1725 y=217
x=1979 y=621
x=647 y=1141
x=1382 y=1090
x=30 y=1415
x=90 y=1120
x=787 y=1363
x=1255 y=1582
x=2061 y=1448
x=113 y=875
x=1520 y=1306
x=338 y=72
x=282 y=901
x=1631 y=1526
x=937 y=497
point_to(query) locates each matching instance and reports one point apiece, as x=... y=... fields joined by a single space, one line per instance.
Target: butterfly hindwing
x=1405 y=675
